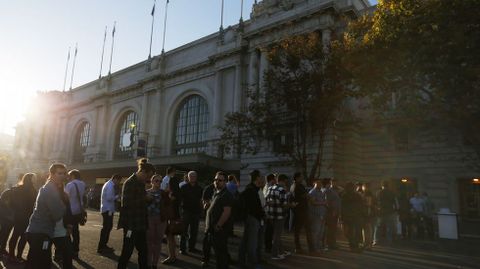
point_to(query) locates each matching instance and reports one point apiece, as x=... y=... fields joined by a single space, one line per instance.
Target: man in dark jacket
x=300 y=212
x=191 y=197
x=133 y=215
x=352 y=213
x=255 y=217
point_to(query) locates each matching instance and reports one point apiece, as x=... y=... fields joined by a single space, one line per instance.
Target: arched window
x=192 y=126
x=126 y=135
x=82 y=140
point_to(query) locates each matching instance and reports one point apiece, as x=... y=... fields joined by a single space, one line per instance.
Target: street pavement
x=437 y=254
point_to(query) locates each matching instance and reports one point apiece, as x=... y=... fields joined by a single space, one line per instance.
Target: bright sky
x=35 y=37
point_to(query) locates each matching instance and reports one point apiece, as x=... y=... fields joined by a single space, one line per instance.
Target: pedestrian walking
x=6 y=219
x=268 y=233
x=107 y=209
x=133 y=215
x=61 y=236
x=370 y=216
x=174 y=226
x=49 y=209
x=333 y=213
x=75 y=190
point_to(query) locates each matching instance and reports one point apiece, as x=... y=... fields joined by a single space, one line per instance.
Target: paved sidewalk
x=441 y=254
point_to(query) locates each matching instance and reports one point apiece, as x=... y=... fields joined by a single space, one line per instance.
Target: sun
x=13 y=109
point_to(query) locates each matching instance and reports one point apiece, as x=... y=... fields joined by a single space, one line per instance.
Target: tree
x=421 y=58
x=303 y=95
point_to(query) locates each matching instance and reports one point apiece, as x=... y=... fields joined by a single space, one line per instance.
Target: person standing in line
x=428 y=215
x=75 y=190
x=49 y=209
x=386 y=208
x=107 y=209
x=184 y=181
x=218 y=218
x=171 y=171
x=268 y=233
x=156 y=221
x=22 y=203
x=277 y=203
x=255 y=218
x=333 y=213
x=369 y=221
x=301 y=219
x=418 y=209
x=352 y=207
x=207 y=196
x=232 y=186
x=6 y=218
x=191 y=196
x=317 y=213
x=133 y=215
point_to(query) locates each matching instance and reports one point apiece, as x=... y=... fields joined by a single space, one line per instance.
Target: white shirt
x=165 y=182
x=108 y=197
x=418 y=204
x=76 y=202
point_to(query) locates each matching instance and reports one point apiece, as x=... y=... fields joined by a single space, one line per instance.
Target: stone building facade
x=168 y=108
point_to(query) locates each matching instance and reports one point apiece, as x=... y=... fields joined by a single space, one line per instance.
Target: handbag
x=175 y=227
x=82 y=217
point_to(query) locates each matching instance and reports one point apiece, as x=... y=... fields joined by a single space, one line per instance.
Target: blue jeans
x=249 y=245
x=318 y=229
x=389 y=222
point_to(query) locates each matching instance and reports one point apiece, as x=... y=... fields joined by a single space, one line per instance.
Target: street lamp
x=476 y=181
x=404 y=180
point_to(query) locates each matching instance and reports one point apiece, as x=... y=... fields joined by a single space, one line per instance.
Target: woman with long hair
x=156 y=221
x=23 y=201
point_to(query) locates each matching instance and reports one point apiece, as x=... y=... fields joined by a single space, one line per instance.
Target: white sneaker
x=287 y=253
x=279 y=257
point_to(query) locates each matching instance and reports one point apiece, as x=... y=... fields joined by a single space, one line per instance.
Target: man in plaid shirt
x=275 y=210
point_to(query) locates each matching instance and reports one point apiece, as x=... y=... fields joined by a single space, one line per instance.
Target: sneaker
x=287 y=253
x=279 y=257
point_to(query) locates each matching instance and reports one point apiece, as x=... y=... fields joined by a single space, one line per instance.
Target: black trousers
x=40 y=252
x=268 y=235
x=331 y=230
x=219 y=241
x=75 y=237
x=302 y=222
x=353 y=232
x=18 y=232
x=138 y=240
x=63 y=250
x=191 y=221
x=5 y=233
x=207 y=246
x=107 y=226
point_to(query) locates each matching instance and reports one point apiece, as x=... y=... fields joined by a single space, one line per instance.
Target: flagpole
x=151 y=32
x=66 y=70
x=111 y=52
x=103 y=51
x=165 y=26
x=73 y=66
x=241 y=11
x=221 y=16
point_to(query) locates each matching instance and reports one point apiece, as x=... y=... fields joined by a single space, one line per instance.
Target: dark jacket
x=253 y=206
x=352 y=206
x=133 y=211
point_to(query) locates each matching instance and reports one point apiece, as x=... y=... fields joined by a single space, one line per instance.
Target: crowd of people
x=155 y=208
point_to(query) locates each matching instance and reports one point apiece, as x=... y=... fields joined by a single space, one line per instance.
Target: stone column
x=237 y=104
x=263 y=67
x=217 y=110
x=326 y=39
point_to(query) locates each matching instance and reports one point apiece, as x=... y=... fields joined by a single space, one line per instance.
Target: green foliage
x=426 y=52
x=305 y=88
